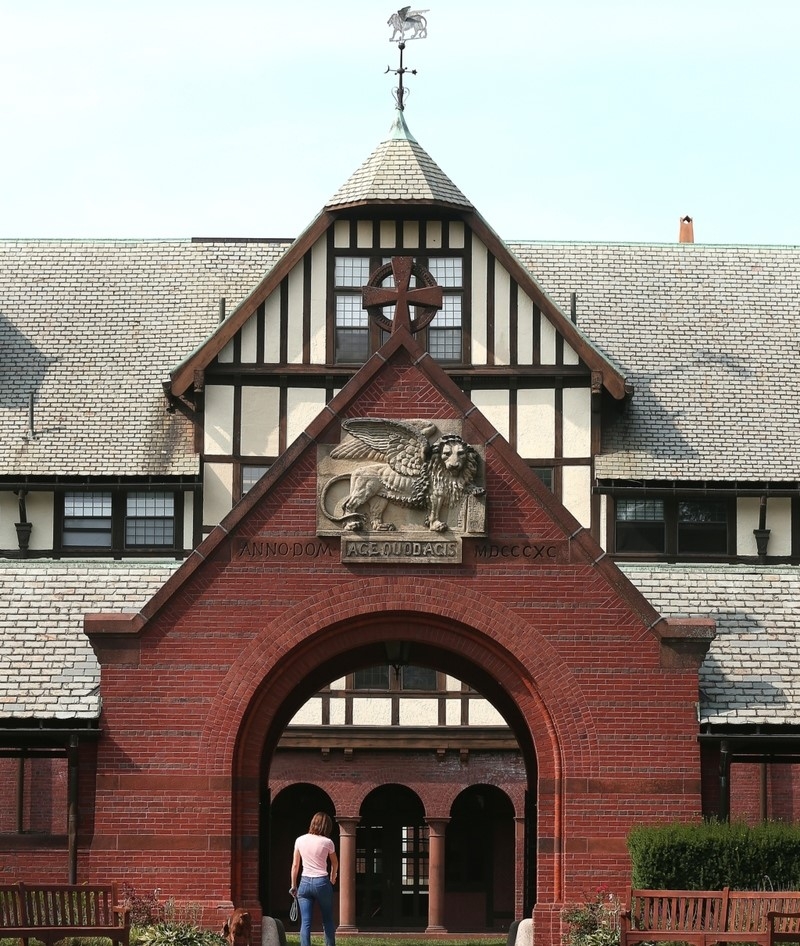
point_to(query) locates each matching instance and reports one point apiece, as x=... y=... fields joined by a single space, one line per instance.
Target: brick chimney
x=686 y=233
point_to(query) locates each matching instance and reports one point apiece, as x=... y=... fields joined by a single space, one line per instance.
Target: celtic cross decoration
x=426 y=298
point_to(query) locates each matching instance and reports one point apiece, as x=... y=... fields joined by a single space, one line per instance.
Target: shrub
x=595 y=922
x=714 y=854
x=145 y=909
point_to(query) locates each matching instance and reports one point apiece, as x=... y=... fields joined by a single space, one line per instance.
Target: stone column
x=436 y=830
x=347 y=874
x=519 y=866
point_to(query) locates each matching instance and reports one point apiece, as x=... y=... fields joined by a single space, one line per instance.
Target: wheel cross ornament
x=425 y=298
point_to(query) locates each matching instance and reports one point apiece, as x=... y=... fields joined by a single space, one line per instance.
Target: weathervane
x=405 y=21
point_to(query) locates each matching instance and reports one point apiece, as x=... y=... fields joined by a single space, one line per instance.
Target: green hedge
x=715 y=854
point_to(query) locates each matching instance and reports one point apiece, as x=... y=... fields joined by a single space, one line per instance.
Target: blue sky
x=575 y=119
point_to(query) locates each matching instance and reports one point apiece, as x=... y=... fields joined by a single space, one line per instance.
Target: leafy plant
x=595 y=922
x=175 y=934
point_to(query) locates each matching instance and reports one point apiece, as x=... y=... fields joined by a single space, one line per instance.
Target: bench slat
x=12 y=911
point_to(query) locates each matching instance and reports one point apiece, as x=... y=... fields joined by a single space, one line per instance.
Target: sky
x=583 y=120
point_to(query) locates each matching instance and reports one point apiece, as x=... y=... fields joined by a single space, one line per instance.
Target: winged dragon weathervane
x=406 y=21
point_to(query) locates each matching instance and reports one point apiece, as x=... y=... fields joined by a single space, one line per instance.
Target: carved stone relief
x=413 y=477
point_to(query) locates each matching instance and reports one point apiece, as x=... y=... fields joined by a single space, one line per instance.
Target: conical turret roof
x=399 y=169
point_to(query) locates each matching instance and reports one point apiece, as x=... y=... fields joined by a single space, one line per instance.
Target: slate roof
x=750 y=672
x=399 y=169
x=47 y=666
x=48 y=669
x=702 y=331
x=92 y=328
x=709 y=337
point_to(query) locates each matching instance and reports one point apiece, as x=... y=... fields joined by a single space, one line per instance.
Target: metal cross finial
x=405 y=21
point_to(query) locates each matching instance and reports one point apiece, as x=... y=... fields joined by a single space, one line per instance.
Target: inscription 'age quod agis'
x=412 y=472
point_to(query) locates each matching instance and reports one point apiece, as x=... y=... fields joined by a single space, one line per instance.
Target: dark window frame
x=119 y=546
x=395 y=683
x=673 y=549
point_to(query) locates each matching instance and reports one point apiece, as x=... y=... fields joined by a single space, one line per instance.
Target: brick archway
x=481 y=641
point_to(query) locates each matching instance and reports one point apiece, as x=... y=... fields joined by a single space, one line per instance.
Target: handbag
x=293 y=910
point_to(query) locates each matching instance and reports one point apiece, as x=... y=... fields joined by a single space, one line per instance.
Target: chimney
x=686 y=234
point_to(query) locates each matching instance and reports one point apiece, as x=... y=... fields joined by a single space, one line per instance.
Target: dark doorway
x=290 y=815
x=392 y=861
x=479 y=860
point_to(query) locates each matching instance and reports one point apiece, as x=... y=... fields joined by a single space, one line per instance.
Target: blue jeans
x=321 y=890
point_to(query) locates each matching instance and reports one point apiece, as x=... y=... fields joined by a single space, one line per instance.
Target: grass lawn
x=293 y=939
x=405 y=939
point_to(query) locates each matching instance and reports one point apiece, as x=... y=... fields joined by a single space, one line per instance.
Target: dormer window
x=119 y=521
x=675 y=528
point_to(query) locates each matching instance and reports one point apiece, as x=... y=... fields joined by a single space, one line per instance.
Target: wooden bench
x=50 y=912
x=703 y=917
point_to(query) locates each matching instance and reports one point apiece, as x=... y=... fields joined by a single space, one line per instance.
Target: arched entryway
x=480 y=860
x=389 y=825
x=392 y=861
x=290 y=816
x=286 y=664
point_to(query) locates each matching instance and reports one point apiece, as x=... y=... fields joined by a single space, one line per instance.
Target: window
x=371 y=678
x=150 y=520
x=87 y=520
x=685 y=528
x=384 y=678
x=251 y=474
x=417 y=678
x=444 y=332
x=640 y=525
x=117 y=521
x=702 y=528
x=352 y=321
x=355 y=338
x=545 y=474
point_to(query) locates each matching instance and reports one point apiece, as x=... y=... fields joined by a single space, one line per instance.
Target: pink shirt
x=314 y=850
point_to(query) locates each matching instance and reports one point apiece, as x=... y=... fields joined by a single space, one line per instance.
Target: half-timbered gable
x=273 y=364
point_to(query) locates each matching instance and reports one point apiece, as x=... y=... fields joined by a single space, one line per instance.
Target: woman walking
x=313 y=851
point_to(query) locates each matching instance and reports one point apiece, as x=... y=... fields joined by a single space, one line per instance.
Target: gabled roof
x=400 y=364
x=399 y=170
x=399 y=173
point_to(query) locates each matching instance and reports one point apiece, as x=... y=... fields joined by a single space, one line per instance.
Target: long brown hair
x=321 y=824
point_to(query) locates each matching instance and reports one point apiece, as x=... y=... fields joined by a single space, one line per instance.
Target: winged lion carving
x=406 y=469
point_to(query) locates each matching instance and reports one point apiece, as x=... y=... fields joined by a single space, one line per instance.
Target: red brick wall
x=776 y=784
x=194 y=704
x=44 y=809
